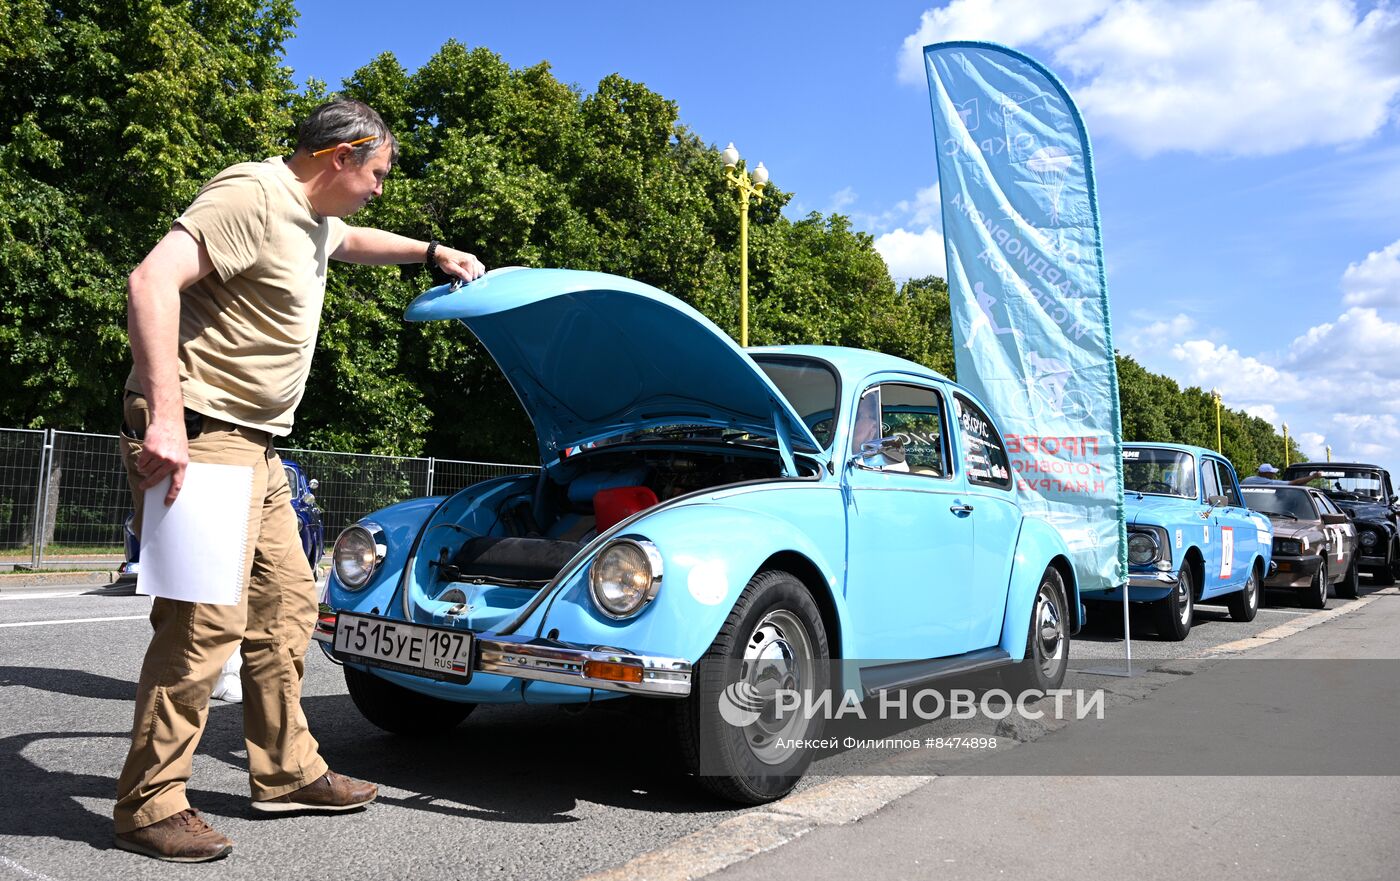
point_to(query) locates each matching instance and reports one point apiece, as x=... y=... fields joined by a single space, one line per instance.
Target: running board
x=907 y=674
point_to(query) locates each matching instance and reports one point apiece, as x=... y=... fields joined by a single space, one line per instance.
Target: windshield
x=1362 y=484
x=1159 y=472
x=810 y=387
x=1281 y=501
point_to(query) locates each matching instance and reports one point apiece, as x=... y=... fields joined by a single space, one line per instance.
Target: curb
x=847 y=800
x=16 y=582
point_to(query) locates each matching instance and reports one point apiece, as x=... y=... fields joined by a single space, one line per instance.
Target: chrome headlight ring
x=359 y=551
x=624 y=577
x=1143 y=548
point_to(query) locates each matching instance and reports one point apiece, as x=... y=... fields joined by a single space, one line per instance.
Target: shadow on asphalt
x=503 y=764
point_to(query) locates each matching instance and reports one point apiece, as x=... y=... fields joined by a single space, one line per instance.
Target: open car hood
x=594 y=355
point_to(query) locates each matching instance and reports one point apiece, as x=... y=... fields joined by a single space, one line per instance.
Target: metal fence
x=64 y=496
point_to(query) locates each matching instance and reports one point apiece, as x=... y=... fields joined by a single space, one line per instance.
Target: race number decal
x=1227 y=551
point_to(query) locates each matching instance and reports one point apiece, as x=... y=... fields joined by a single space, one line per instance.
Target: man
x=223 y=315
x=1268 y=474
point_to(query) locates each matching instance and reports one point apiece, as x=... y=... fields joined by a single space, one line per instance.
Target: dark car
x=1367 y=495
x=1314 y=542
x=303 y=503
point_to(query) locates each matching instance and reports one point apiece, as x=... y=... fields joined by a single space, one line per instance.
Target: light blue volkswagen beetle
x=1190 y=536
x=698 y=507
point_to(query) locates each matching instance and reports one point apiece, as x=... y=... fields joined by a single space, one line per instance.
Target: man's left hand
x=458 y=264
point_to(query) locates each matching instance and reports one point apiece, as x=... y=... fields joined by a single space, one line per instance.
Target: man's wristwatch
x=432 y=253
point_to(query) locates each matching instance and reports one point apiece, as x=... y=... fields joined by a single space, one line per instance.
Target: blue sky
x=1247 y=153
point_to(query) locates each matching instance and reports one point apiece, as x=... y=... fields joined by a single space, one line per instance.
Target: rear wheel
x=1175 y=611
x=1385 y=575
x=1245 y=604
x=1316 y=597
x=732 y=734
x=400 y=711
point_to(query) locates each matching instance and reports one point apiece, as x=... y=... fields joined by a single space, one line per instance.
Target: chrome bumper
x=1152 y=579
x=564 y=663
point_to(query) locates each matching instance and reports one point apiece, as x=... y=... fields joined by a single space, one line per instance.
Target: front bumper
x=563 y=663
x=1292 y=572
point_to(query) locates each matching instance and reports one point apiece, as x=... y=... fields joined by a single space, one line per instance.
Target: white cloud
x=1238 y=77
x=913 y=254
x=925 y=209
x=1374 y=281
x=1337 y=383
x=841 y=199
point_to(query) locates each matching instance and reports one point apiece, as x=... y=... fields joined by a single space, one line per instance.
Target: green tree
x=115 y=111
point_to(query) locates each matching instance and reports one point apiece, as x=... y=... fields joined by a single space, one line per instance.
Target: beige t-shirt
x=248 y=329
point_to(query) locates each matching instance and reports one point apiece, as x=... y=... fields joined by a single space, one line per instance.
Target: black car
x=1367 y=494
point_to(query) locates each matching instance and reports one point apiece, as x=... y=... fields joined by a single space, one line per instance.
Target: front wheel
x=737 y=733
x=1175 y=611
x=400 y=711
x=1245 y=604
x=1316 y=597
x=1047 y=638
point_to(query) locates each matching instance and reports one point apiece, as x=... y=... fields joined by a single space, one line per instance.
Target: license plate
x=435 y=652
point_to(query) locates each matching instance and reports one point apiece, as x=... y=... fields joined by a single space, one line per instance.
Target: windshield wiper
x=1283 y=514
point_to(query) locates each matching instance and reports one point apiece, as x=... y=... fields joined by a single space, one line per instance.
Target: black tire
x=1244 y=604
x=1385 y=575
x=748 y=764
x=1351 y=582
x=1316 y=595
x=1175 y=612
x=1047 y=638
x=400 y=711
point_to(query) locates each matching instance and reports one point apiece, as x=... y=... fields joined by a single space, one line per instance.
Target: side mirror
x=1217 y=501
x=1335 y=519
x=313 y=484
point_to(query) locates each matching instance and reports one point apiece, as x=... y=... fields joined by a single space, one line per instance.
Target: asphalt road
x=516 y=792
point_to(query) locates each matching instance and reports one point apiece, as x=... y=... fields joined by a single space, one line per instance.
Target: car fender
x=401 y=524
x=709 y=553
x=1037 y=546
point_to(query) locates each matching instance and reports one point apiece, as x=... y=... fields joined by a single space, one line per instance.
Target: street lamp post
x=1215 y=393
x=750 y=187
x=1285 y=444
x=1329 y=452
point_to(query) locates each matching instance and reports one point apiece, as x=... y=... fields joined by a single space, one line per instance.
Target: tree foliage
x=117 y=111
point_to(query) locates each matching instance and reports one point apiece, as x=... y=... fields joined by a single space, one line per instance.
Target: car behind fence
x=64 y=496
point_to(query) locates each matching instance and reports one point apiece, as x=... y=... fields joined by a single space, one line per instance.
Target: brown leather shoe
x=183 y=838
x=329 y=793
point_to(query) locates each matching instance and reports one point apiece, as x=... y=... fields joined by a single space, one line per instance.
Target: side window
x=1325 y=503
x=1209 y=480
x=984 y=454
x=915 y=416
x=292 y=480
x=1227 y=486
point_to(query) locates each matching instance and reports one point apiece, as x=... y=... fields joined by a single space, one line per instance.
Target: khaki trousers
x=191 y=642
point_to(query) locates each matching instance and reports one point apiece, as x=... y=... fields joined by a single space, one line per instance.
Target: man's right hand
x=164 y=452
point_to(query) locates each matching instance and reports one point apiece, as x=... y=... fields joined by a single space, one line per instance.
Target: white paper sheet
x=195 y=550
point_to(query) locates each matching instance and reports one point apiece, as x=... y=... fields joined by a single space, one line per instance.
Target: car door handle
x=960 y=509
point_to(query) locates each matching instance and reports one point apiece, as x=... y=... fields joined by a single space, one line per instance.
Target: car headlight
x=1368 y=539
x=1143 y=548
x=1287 y=547
x=358 y=552
x=624 y=577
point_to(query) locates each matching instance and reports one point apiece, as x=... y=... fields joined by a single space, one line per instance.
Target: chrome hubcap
x=777 y=657
x=1049 y=630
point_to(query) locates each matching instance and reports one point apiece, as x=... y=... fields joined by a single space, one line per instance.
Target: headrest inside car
x=612 y=506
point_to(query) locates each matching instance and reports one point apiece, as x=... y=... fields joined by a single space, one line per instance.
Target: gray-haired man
x=223 y=315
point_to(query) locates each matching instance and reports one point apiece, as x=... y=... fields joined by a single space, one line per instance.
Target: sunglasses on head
x=354 y=143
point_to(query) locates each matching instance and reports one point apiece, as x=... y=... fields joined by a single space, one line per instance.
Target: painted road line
x=77 y=621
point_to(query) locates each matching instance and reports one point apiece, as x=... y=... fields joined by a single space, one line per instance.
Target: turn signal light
x=612 y=672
